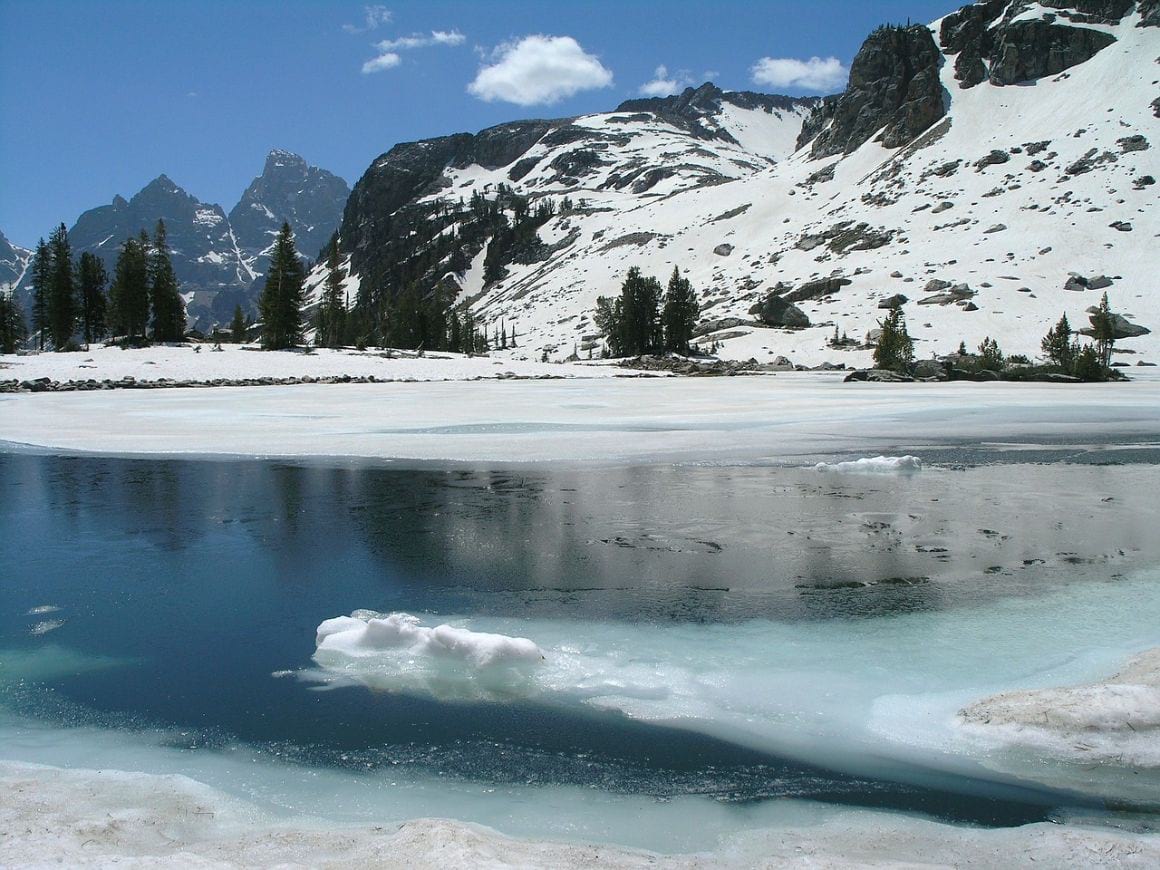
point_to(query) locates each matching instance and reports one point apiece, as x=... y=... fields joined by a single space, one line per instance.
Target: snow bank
x=366 y=631
x=876 y=464
x=1116 y=721
x=85 y=818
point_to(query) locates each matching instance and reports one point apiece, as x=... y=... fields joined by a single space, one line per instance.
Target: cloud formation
x=663 y=84
x=373 y=18
x=418 y=40
x=539 y=71
x=816 y=74
x=386 y=60
x=388 y=49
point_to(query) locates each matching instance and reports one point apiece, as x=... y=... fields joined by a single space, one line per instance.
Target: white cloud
x=386 y=60
x=663 y=84
x=373 y=18
x=815 y=74
x=539 y=70
x=417 y=40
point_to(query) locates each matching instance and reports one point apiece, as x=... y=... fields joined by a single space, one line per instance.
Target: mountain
x=218 y=258
x=289 y=190
x=994 y=167
x=13 y=262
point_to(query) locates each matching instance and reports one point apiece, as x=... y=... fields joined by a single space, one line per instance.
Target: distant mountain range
x=219 y=259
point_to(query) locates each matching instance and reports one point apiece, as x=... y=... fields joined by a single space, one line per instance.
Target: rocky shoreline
x=48 y=385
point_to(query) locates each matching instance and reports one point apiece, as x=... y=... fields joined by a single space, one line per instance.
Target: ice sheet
x=782 y=418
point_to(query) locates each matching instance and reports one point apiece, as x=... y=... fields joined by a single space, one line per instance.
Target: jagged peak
x=279 y=157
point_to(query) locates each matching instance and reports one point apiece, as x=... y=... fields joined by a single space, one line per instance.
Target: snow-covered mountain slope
x=13 y=263
x=1012 y=185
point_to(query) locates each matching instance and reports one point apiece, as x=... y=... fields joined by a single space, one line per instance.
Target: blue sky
x=98 y=98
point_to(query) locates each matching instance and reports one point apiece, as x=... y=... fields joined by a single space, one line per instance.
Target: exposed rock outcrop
x=894 y=87
x=776 y=311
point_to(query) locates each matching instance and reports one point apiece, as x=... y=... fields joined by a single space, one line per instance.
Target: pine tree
x=62 y=294
x=1057 y=345
x=129 y=295
x=168 y=308
x=1104 y=332
x=41 y=284
x=332 y=311
x=92 y=276
x=283 y=295
x=895 y=350
x=680 y=313
x=631 y=323
x=238 y=326
x=12 y=331
x=990 y=356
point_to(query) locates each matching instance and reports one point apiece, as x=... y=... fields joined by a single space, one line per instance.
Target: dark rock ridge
x=992 y=46
x=894 y=87
x=289 y=190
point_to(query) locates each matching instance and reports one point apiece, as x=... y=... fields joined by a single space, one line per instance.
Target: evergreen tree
x=1057 y=345
x=1104 y=332
x=283 y=295
x=129 y=295
x=41 y=284
x=12 y=331
x=990 y=357
x=332 y=311
x=62 y=293
x=168 y=308
x=895 y=350
x=238 y=326
x=631 y=323
x=679 y=316
x=92 y=276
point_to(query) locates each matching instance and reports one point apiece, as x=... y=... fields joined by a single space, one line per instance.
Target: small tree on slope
x=282 y=297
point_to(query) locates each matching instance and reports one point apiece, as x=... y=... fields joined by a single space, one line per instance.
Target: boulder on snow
x=1121 y=326
x=895 y=301
x=816 y=289
x=776 y=311
x=723 y=250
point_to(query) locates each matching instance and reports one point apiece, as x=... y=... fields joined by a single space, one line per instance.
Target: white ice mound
x=874 y=464
x=367 y=632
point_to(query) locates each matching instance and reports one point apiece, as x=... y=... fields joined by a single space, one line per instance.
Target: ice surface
x=875 y=464
x=782 y=418
x=83 y=817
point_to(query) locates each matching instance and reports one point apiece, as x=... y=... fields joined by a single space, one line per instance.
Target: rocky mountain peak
x=13 y=260
x=289 y=190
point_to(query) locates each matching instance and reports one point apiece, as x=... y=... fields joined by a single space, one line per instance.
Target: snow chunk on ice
x=366 y=632
x=876 y=464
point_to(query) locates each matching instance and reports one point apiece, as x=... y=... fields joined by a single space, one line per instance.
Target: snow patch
x=874 y=465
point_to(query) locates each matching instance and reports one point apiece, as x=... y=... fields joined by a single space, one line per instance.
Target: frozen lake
x=729 y=643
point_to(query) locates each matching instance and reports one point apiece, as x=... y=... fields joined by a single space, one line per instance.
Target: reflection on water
x=208 y=576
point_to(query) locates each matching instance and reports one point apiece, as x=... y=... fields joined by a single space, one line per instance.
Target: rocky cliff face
x=289 y=190
x=1007 y=43
x=894 y=87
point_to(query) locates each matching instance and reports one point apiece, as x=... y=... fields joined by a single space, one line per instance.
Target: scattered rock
x=994 y=158
x=1132 y=143
x=997 y=228
x=816 y=289
x=878 y=376
x=723 y=250
x=945 y=205
x=1122 y=226
x=895 y=301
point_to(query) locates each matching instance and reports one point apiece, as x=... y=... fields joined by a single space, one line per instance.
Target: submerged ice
x=875 y=698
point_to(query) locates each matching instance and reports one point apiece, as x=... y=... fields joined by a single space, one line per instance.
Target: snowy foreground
x=54 y=816
x=79 y=817
x=589 y=415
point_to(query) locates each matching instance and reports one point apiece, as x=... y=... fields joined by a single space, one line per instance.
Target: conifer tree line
x=646 y=318
x=72 y=300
